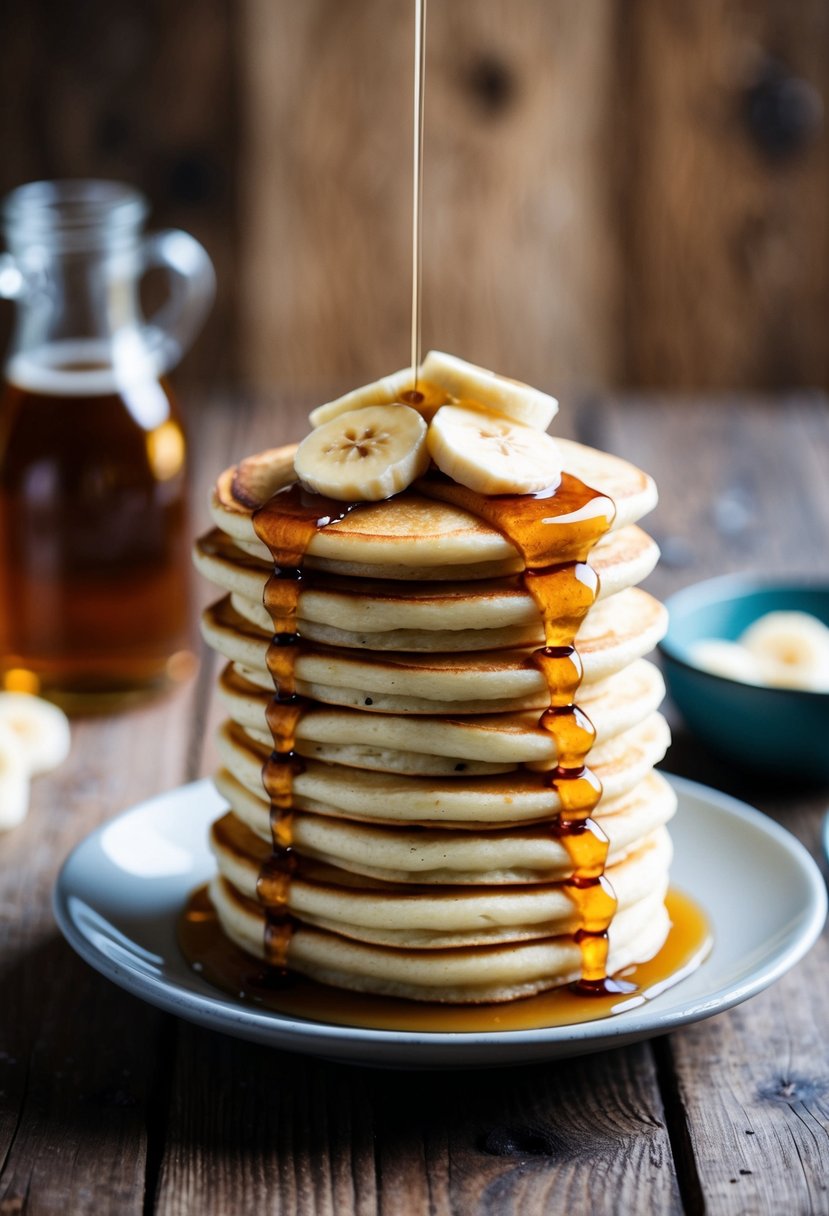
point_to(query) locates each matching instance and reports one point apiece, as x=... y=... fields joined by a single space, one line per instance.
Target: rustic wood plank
x=77 y=1057
x=723 y=190
x=82 y=1065
x=743 y=486
x=259 y=1130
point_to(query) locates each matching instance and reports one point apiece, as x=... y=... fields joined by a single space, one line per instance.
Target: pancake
x=461 y=975
x=613 y=705
x=615 y=634
x=478 y=854
x=411 y=531
x=362 y=794
x=409 y=915
x=377 y=606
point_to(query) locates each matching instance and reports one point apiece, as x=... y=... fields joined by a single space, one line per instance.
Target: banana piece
x=381 y=392
x=364 y=455
x=792 y=648
x=467 y=382
x=14 y=780
x=40 y=729
x=427 y=399
x=728 y=659
x=492 y=455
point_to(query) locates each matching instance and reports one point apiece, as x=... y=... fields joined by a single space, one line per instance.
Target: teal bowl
x=780 y=731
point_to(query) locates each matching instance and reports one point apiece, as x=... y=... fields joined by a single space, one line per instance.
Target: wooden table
x=108 y=1106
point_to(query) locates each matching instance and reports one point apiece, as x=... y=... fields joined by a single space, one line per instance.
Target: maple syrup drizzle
x=286 y=523
x=564 y=521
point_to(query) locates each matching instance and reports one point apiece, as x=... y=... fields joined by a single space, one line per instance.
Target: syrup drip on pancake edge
x=287 y=524
x=564 y=522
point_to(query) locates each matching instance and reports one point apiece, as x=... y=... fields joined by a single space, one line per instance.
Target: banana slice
x=728 y=659
x=14 y=780
x=426 y=399
x=364 y=455
x=793 y=649
x=40 y=728
x=381 y=392
x=498 y=393
x=492 y=455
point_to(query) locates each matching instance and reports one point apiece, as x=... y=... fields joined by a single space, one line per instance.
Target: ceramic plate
x=120 y=892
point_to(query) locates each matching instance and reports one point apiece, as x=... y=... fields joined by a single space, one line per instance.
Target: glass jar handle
x=11 y=278
x=170 y=330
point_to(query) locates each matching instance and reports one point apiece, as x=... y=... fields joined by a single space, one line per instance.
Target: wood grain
x=724 y=215
x=78 y=1058
x=252 y=1129
x=143 y=93
x=743 y=485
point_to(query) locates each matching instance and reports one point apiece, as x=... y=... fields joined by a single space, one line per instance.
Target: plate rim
x=221 y=1012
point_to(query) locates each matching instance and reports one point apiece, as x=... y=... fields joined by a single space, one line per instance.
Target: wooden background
x=618 y=192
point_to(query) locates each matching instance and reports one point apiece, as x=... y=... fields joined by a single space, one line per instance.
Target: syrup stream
x=417 y=179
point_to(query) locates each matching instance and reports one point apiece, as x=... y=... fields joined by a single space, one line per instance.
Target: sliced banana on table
x=14 y=780
x=41 y=729
x=465 y=381
x=364 y=455
x=34 y=738
x=492 y=454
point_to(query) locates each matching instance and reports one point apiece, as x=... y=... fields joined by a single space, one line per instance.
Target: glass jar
x=94 y=567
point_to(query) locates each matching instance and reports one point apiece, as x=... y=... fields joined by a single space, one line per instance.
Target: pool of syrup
x=215 y=958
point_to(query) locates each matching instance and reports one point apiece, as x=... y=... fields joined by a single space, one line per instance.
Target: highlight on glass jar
x=93 y=453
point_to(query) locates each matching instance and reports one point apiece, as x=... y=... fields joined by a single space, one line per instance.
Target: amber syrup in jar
x=93 y=532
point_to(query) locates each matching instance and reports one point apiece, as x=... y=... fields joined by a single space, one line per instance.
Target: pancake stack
x=422 y=787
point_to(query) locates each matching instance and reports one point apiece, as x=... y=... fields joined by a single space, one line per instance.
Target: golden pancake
x=478 y=854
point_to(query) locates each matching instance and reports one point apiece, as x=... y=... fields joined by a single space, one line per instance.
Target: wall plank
x=726 y=221
x=143 y=92
x=519 y=265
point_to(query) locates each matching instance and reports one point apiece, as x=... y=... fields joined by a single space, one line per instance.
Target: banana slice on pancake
x=412 y=536
x=490 y=454
x=364 y=455
x=510 y=398
x=443 y=379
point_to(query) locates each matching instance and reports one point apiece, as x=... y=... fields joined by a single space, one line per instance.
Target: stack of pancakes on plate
x=422 y=817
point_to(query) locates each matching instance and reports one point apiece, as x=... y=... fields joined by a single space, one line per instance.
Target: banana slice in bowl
x=719 y=662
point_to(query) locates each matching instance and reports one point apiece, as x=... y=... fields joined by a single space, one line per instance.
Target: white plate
x=120 y=892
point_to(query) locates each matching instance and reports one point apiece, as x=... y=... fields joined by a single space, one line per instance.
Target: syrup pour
x=286 y=523
x=417 y=180
x=564 y=521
